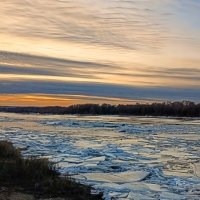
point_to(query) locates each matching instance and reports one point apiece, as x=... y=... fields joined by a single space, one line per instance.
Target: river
x=124 y=157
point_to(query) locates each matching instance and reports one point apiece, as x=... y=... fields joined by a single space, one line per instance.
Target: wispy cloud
x=103 y=22
x=27 y=67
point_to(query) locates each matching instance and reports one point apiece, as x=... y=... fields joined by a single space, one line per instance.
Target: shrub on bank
x=38 y=177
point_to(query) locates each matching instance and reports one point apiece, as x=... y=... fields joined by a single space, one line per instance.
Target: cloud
x=123 y=49
x=107 y=23
x=28 y=74
x=99 y=90
x=16 y=63
x=29 y=67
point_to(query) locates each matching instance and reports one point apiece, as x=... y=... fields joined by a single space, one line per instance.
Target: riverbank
x=34 y=178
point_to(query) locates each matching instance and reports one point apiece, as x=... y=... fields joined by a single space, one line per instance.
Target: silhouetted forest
x=179 y=109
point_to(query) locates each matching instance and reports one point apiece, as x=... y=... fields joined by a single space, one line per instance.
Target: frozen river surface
x=125 y=157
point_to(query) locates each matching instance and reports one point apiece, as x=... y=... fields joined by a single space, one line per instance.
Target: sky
x=63 y=52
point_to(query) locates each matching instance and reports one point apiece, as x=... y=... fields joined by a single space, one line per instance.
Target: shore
x=35 y=178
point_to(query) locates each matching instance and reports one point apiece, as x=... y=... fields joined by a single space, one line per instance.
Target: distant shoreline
x=167 y=109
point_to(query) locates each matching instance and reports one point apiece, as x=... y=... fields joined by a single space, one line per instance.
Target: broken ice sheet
x=124 y=177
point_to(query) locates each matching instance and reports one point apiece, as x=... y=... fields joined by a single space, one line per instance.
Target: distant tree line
x=179 y=109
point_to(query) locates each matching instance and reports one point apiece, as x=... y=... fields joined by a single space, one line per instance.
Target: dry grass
x=38 y=177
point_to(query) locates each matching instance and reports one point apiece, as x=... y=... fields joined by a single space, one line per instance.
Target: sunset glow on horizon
x=41 y=100
x=83 y=51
